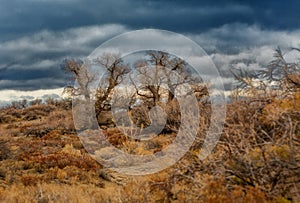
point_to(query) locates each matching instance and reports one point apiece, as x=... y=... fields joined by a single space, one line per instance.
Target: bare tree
x=83 y=77
x=150 y=82
x=279 y=75
x=285 y=74
x=115 y=71
x=160 y=75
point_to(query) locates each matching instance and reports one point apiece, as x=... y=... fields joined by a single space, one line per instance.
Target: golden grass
x=43 y=160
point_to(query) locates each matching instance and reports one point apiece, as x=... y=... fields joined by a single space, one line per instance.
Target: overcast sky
x=37 y=35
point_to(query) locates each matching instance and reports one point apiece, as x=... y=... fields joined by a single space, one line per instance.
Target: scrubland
x=257 y=158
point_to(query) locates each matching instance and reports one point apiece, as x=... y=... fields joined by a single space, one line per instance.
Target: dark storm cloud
x=27 y=62
x=27 y=16
x=32 y=84
x=269 y=14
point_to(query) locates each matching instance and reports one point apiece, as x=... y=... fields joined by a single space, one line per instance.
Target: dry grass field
x=256 y=159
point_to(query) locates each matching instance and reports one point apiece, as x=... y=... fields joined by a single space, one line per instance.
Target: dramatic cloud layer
x=37 y=35
x=29 y=16
x=34 y=62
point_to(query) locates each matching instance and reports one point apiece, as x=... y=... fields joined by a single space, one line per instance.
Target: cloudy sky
x=37 y=35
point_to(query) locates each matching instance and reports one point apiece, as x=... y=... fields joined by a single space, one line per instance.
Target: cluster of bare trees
x=152 y=81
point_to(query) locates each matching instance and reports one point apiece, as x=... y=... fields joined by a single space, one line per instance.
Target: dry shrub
x=61 y=120
x=136 y=191
x=262 y=150
x=30 y=179
x=37 y=111
x=34 y=131
x=64 y=104
x=63 y=159
x=4 y=150
x=215 y=191
x=115 y=137
x=105 y=119
x=139 y=116
x=7 y=119
x=9 y=115
x=172 y=110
